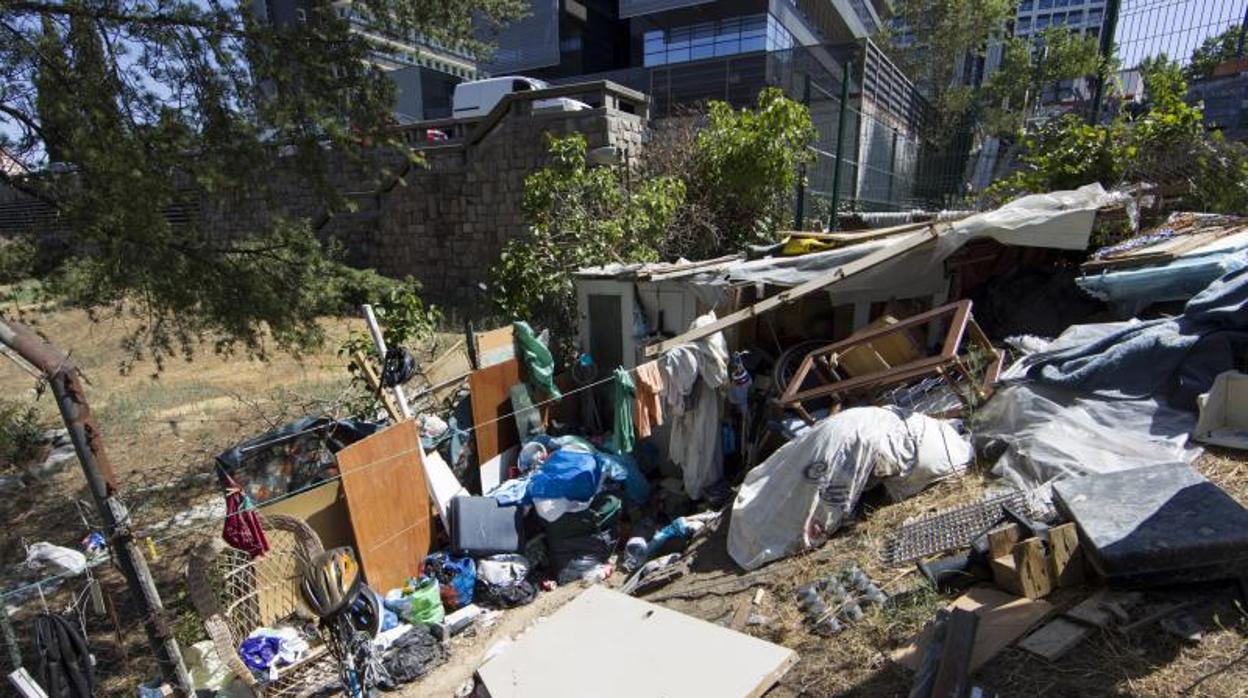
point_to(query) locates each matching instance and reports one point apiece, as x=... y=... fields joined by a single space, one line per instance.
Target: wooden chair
x=235 y=594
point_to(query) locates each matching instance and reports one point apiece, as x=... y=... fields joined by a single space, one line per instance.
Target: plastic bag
x=419 y=602
x=456 y=577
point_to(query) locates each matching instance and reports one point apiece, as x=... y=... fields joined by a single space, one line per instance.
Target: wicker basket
x=235 y=594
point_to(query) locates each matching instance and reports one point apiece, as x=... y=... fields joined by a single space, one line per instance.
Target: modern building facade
x=424 y=71
x=569 y=38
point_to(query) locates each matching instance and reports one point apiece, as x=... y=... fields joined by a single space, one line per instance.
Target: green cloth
x=625 y=396
x=539 y=365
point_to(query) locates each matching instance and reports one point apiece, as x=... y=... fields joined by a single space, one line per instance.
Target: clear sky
x=1175 y=27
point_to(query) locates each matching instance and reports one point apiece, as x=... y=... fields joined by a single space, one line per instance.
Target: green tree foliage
x=708 y=184
x=1212 y=51
x=20 y=434
x=1028 y=66
x=745 y=166
x=578 y=216
x=945 y=32
x=134 y=109
x=1165 y=143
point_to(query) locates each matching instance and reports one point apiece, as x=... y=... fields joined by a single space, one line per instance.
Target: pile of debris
x=782 y=387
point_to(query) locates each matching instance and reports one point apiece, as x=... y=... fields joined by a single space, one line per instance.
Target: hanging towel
x=649 y=405
x=624 y=399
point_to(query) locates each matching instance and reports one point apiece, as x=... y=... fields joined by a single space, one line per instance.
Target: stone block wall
x=447 y=226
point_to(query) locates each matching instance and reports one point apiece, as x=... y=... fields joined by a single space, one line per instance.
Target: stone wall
x=447 y=226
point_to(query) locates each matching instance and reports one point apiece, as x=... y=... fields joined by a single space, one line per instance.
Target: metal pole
x=799 y=213
x=1107 y=51
x=374 y=329
x=835 y=223
x=62 y=376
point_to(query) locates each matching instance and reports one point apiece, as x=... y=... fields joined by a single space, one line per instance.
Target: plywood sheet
x=495 y=346
x=611 y=645
x=1003 y=618
x=324 y=508
x=1054 y=640
x=383 y=477
x=495 y=430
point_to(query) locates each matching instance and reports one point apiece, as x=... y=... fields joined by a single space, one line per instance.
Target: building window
x=725 y=37
x=1075 y=17
x=1025 y=6
x=1042 y=21
x=1095 y=14
x=1061 y=3
x=1045 y=4
x=1024 y=25
x=1059 y=18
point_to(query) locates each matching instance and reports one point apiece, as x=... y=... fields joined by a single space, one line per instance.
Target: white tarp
x=809 y=486
x=1058 y=220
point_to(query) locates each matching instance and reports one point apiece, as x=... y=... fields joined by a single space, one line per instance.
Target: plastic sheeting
x=1051 y=432
x=805 y=490
x=1130 y=291
x=1060 y=220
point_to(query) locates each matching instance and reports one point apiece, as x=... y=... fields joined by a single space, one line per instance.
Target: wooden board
x=324 y=508
x=495 y=346
x=444 y=374
x=1101 y=609
x=1055 y=639
x=495 y=430
x=832 y=276
x=1066 y=560
x=609 y=645
x=383 y=477
x=1002 y=620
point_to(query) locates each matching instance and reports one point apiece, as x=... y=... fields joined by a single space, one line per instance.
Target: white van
x=478 y=97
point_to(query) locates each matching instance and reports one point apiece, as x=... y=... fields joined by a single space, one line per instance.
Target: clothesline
x=220 y=520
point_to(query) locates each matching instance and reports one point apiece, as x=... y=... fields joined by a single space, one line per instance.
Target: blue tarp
x=1173 y=360
x=1129 y=291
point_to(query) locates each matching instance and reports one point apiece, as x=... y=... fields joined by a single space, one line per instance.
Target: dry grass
x=855 y=662
x=161 y=433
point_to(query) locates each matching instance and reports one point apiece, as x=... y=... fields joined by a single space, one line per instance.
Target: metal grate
x=949 y=529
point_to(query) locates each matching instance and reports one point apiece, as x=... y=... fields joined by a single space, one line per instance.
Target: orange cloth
x=648 y=406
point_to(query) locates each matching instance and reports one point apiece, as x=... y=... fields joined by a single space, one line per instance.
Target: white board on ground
x=610 y=645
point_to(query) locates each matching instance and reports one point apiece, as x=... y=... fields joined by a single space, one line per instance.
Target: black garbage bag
x=413 y=655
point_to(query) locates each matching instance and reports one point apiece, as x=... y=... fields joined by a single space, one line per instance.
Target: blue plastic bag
x=567 y=474
x=457 y=577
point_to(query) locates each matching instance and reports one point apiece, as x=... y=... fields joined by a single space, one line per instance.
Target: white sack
x=808 y=487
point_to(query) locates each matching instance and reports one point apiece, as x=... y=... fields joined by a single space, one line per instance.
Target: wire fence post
x=799 y=213
x=835 y=223
x=1107 y=52
x=62 y=377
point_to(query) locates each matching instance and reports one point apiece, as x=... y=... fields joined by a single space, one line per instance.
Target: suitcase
x=480 y=526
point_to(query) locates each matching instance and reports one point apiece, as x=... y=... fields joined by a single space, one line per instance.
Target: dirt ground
x=162 y=433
